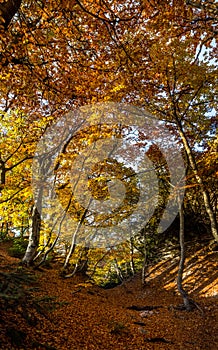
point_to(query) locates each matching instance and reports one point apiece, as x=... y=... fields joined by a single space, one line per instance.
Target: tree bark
x=33 y=238
x=186 y=301
x=72 y=245
x=8 y=9
x=144 y=267
x=132 y=264
x=118 y=271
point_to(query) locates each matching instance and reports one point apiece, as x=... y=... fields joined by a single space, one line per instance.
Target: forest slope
x=40 y=310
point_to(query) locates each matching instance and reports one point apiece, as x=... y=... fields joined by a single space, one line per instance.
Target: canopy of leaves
x=58 y=55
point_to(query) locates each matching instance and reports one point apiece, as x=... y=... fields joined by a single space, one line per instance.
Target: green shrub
x=18 y=248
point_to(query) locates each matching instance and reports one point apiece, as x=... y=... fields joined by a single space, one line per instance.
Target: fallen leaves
x=94 y=318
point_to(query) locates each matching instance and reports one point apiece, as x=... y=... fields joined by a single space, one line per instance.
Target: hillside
x=41 y=310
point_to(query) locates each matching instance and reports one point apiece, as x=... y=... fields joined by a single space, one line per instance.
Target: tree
x=176 y=84
x=17 y=149
x=18 y=141
x=58 y=55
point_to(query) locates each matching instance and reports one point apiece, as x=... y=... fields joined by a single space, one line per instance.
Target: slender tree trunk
x=207 y=204
x=132 y=265
x=83 y=261
x=72 y=245
x=74 y=237
x=3 y=176
x=96 y=264
x=2 y=226
x=118 y=271
x=187 y=303
x=33 y=238
x=144 y=267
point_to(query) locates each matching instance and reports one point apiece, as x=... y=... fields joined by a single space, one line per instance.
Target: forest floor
x=41 y=310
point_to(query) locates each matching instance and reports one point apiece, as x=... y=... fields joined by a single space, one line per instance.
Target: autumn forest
x=108 y=174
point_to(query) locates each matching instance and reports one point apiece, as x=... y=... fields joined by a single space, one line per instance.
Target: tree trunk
x=118 y=271
x=83 y=262
x=74 y=236
x=33 y=238
x=72 y=245
x=187 y=303
x=144 y=267
x=208 y=207
x=132 y=265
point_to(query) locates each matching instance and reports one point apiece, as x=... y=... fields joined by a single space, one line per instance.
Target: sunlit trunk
x=33 y=238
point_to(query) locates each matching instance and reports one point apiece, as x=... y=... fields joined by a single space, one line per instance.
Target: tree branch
x=7 y=11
